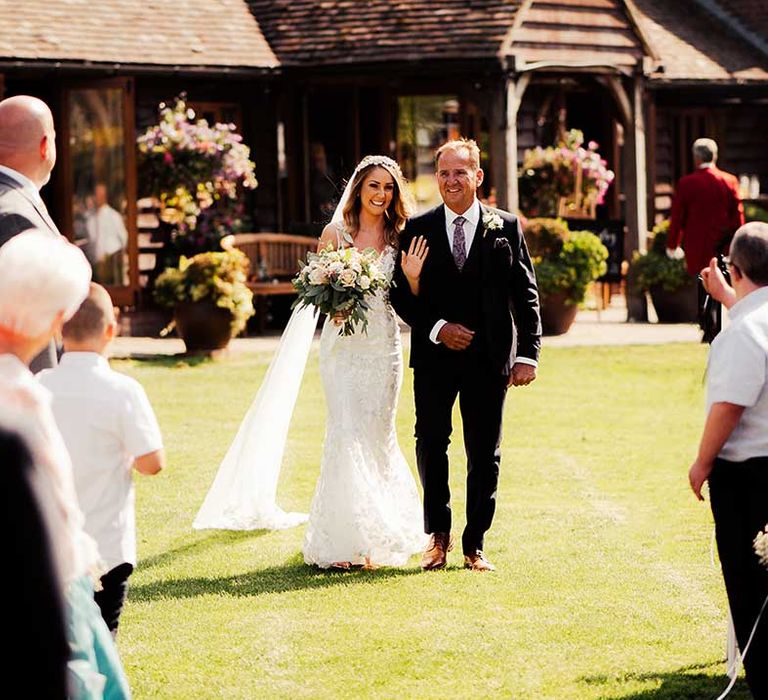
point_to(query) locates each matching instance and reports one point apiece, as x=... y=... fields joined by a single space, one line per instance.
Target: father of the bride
x=475 y=331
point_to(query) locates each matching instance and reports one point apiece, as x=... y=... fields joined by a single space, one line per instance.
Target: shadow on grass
x=682 y=684
x=169 y=361
x=211 y=540
x=294 y=575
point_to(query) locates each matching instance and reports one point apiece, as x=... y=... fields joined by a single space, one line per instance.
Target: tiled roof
x=572 y=32
x=328 y=32
x=753 y=14
x=694 y=45
x=187 y=33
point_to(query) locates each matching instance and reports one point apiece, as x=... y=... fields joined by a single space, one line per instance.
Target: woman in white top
x=42 y=283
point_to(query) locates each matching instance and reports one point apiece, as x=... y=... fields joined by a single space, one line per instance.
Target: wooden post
x=635 y=179
x=497 y=145
x=651 y=169
x=507 y=192
x=640 y=164
x=305 y=154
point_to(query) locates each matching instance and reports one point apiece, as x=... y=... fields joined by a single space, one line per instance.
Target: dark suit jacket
x=19 y=212
x=706 y=210
x=510 y=299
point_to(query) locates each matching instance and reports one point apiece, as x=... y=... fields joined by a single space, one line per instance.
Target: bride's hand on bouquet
x=340 y=317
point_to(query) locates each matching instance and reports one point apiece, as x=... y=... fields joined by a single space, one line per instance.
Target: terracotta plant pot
x=557 y=316
x=680 y=306
x=203 y=326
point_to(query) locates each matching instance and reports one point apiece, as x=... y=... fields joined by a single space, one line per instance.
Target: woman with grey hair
x=43 y=281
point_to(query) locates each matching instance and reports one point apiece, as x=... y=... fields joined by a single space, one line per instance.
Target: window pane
x=96 y=141
x=424 y=122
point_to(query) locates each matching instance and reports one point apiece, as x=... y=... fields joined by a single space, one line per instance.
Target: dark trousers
x=481 y=402
x=111 y=597
x=739 y=496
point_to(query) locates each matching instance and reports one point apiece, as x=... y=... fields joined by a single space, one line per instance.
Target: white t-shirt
x=738 y=374
x=106 y=421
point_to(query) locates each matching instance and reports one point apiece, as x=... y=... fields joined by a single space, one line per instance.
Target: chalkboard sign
x=611 y=235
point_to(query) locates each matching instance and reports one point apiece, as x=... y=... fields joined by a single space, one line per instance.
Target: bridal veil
x=243 y=495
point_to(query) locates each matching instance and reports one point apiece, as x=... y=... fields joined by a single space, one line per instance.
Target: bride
x=366 y=509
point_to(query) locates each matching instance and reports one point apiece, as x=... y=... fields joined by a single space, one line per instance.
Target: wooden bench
x=274 y=259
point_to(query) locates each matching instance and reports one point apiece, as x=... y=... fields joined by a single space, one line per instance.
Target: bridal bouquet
x=761 y=546
x=339 y=281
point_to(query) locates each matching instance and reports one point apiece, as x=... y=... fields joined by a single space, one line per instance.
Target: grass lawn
x=605 y=587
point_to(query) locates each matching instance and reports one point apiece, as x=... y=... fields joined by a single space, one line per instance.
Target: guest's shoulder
x=730 y=178
x=120 y=381
x=44 y=376
x=690 y=179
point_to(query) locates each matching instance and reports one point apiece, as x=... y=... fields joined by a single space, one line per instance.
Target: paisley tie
x=459 y=242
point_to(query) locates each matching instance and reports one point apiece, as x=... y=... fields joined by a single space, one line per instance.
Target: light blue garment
x=94 y=668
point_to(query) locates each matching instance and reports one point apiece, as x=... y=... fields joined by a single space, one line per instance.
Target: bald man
x=27 y=157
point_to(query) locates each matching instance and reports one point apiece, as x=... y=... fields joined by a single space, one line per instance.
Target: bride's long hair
x=399 y=209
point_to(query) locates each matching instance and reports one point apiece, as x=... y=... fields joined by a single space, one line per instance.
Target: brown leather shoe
x=476 y=561
x=435 y=555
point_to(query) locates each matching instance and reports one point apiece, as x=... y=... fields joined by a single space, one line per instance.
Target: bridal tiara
x=384 y=161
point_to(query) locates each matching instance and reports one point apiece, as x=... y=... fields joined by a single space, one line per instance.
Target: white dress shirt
x=737 y=373
x=106 y=421
x=472 y=218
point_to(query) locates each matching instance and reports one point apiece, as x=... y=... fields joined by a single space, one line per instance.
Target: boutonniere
x=492 y=222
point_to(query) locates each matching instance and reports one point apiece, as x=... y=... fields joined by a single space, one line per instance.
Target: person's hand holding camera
x=716 y=285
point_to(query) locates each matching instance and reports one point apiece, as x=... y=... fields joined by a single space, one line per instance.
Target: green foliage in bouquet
x=654 y=268
x=217 y=277
x=338 y=282
x=565 y=261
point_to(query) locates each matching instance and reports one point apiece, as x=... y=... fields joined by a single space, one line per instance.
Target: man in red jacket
x=706 y=210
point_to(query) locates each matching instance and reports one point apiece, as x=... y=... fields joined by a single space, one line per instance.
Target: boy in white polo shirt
x=109 y=429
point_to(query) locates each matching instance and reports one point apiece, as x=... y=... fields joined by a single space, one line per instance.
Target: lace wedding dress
x=366 y=503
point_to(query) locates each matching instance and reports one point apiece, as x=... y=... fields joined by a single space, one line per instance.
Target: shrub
x=654 y=268
x=216 y=277
x=565 y=261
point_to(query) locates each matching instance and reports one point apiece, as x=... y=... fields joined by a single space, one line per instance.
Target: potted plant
x=566 y=263
x=194 y=171
x=673 y=291
x=564 y=180
x=209 y=296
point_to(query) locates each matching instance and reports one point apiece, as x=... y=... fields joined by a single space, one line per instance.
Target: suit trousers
x=739 y=497
x=481 y=395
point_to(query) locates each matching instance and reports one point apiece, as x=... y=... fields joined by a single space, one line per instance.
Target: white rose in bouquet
x=340 y=281
x=347 y=277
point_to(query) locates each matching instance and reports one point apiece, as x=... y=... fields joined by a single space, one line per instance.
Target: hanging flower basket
x=567 y=180
x=193 y=171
